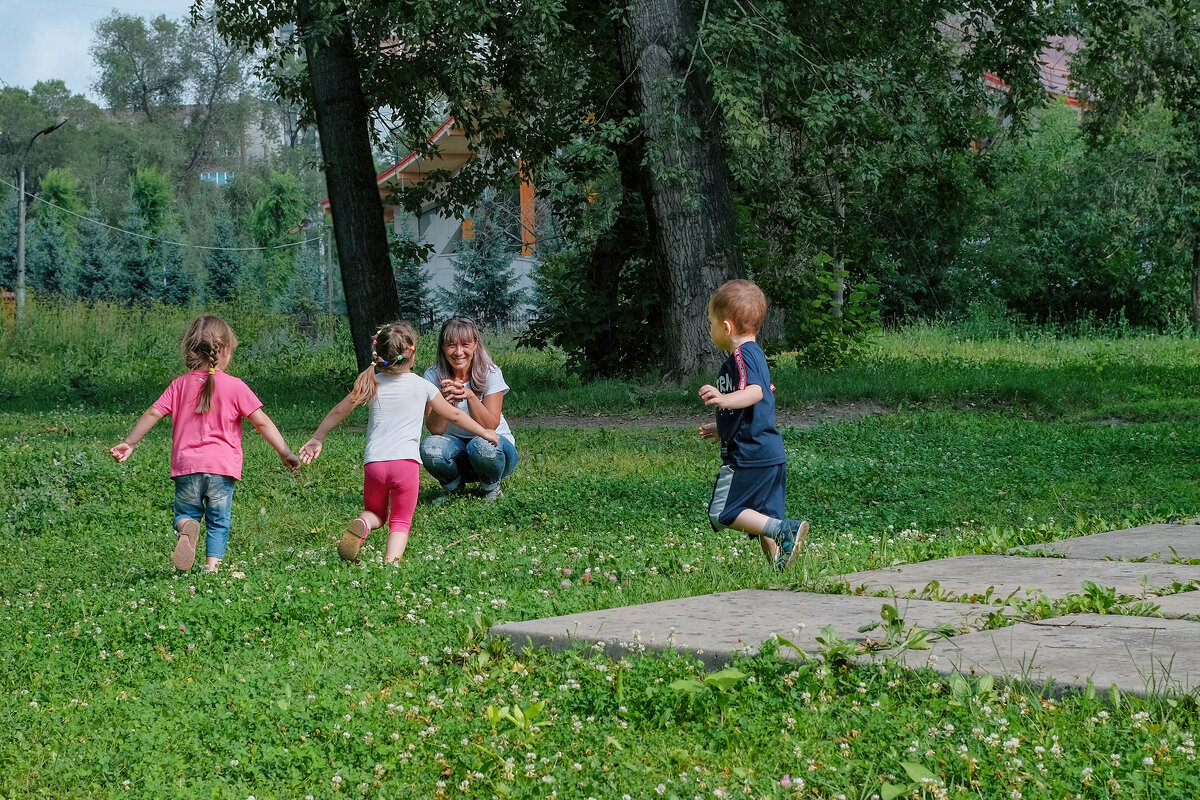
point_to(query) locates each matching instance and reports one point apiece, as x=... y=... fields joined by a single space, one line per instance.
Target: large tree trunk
x=342 y=121
x=1196 y=285
x=690 y=205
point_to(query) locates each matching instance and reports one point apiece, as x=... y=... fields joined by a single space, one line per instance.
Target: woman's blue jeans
x=454 y=461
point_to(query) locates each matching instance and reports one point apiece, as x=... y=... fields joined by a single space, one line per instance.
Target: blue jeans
x=454 y=461
x=202 y=496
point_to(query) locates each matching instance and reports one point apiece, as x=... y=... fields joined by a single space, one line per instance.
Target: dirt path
x=808 y=417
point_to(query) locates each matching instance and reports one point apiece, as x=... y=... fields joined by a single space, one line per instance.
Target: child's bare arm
x=443 y=408
x=312 y=448
x=140 y=428
x=742 y=398
x=266 y=427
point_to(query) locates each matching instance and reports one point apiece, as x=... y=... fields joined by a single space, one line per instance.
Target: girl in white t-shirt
x=398 y=401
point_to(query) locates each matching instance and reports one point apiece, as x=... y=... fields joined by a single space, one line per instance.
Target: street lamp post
x=21 y=220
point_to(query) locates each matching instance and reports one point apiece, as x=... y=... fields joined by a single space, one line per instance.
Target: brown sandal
x=185 y=548
x=352 y=539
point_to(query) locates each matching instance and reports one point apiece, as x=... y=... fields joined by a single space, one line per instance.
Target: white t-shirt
x=495 y=383
x=396 y=414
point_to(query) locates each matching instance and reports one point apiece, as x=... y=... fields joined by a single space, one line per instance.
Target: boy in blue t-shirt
x=749 y=494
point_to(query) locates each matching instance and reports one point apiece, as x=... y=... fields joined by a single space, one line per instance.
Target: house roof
x=452 y=153
x=1054 y=68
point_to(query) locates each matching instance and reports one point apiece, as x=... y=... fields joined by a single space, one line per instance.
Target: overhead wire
x=159 y=238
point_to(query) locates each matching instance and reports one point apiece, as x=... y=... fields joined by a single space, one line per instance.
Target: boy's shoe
x=352 y=539
x=493 y=494
x=444 y=497
x=185 y=547
x=791 y=541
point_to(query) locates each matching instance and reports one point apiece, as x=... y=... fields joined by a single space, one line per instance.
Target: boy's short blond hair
x=742 y=303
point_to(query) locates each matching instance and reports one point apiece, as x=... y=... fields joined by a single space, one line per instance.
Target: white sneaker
x=493 y=494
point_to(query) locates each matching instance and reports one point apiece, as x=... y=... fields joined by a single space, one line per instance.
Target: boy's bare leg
x=754 y=522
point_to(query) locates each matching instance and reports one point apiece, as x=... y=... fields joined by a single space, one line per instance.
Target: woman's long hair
x=458 y=330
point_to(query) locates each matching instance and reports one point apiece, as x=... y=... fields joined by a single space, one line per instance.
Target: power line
x=157 y=239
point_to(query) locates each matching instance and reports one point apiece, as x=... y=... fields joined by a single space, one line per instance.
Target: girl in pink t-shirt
x=206 y=407
x=397 y=401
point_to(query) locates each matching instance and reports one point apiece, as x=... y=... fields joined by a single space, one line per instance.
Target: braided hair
x=206 y=339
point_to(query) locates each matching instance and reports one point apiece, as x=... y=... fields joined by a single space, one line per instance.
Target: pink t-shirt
x=209 y=442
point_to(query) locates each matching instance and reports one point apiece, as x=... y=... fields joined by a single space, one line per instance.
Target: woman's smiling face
x=460 y=354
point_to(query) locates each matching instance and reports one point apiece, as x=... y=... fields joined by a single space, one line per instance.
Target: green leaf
x=917 y=772
x=689 y=686
x=726 y=679
x=890 y=791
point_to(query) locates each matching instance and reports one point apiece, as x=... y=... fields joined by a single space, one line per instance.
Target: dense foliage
x=875 y=175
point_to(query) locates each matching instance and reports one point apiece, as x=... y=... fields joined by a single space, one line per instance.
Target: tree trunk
x=690 y=205
x=838 y=300
x=342 y=121
x=1196 y=285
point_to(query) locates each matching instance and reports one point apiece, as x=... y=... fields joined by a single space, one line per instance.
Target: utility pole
x=329 y=274
x=21 y=220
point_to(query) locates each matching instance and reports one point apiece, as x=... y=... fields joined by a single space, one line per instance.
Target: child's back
x=396 y=414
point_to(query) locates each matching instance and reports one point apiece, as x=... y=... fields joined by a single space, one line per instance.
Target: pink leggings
x=397 y=481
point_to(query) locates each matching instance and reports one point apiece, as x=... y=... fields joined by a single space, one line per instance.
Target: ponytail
x=365 y=386
x=206 y=393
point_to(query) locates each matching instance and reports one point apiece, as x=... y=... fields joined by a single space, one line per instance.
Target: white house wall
x=443 y=233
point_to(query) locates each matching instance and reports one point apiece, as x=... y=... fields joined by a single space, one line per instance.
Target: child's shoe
x=791 y=541
x=352 y=539
x=185 y=547
x=445 y=497
x=493 y=494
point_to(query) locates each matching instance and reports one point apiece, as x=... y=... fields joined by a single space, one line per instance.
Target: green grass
x=312 y=677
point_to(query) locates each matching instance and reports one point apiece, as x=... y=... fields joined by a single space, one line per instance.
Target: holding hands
x=310 y=450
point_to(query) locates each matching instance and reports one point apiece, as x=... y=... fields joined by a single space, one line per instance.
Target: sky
x=48 y=39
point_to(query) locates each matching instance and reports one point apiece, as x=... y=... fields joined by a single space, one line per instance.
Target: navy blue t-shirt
x=748 y=435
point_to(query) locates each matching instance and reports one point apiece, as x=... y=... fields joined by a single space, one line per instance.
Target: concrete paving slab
x=1055 y=577
x=1140 y=655
x=1184 y=604
x=1169 y=543
x=716 y=626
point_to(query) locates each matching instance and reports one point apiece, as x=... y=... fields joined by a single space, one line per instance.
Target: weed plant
x=309 y=677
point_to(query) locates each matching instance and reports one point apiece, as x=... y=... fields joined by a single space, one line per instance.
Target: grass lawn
x=310 y=677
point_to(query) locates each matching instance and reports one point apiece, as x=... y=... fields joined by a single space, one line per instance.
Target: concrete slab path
x=973 y=576
x=1139 y=655
x=716 y=626
x=1169 y=543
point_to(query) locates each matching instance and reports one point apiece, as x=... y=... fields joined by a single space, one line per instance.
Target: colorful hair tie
x=212 y=370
